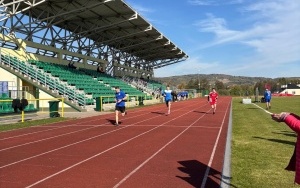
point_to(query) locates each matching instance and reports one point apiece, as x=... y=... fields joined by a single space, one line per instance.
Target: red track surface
x=148 y=149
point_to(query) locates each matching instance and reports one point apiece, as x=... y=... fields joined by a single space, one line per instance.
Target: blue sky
x=235 y=37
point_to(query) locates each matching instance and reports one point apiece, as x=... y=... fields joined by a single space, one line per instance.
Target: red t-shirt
x=213 y=96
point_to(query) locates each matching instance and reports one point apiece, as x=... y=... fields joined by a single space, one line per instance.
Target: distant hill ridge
x=226 y=79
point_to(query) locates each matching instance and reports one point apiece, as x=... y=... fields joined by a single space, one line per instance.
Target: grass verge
x=261 y=147
x=20 y=125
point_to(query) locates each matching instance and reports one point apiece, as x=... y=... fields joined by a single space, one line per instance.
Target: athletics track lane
x=180 y=145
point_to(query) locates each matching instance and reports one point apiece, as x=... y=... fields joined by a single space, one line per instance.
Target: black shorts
x=120 y=109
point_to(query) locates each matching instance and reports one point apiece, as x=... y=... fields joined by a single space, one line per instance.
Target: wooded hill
x=226 y=82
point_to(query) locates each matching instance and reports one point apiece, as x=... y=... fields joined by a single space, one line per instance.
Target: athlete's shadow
x=195 y=171
x=161 y=113
x=200 y=112
x=276 y=140
x=112 y=121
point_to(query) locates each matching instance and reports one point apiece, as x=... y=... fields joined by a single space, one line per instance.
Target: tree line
x=238 y=89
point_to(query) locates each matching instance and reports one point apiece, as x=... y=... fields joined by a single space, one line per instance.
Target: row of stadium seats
x=6 y=105
x=45 y=79
x=76 y=84
x=91 y=82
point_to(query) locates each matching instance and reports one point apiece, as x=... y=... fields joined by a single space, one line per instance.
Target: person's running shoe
x=116 y=124
x=214 y=112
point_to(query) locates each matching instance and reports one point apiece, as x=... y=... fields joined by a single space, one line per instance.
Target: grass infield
x=20 y=125
x=261 y=147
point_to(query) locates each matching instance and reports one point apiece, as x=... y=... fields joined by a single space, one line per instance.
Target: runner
x=168 y=98
x=120 y=104
x=212 y=98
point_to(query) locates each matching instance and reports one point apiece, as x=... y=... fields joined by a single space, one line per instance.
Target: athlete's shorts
x=120 y=109
x=267 y=100
x=167 y=101
x=213 y=102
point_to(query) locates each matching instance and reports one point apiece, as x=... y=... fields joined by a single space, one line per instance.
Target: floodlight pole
x=199 y=79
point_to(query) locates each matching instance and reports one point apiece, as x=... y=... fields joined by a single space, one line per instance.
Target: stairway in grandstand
x=79 y=87
x=149 y=86
x=43 y=81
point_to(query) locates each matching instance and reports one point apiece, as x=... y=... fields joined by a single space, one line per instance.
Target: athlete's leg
x=215 y=107
x=123 y=111
x=117 y=117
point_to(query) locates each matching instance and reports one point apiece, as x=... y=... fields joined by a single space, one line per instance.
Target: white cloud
x=213 y=2
x=202 y=2
x=218 y=26
x=274 y=34
x=191 y=66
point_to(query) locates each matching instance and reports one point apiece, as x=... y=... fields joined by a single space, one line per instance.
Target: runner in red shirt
x=212 y=98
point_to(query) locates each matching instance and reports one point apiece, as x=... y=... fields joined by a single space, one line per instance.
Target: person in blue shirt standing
x=120 y=104
x=168 y=97
x=268 y=96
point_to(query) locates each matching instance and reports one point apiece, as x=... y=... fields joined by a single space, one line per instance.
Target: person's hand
x=280 y=117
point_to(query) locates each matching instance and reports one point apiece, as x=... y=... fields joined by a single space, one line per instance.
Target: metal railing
x=43 y=78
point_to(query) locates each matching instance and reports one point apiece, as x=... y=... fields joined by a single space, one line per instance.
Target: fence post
x=22 y=116
x=62 y=107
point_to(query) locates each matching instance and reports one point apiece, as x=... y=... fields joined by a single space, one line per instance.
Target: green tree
x=236 y=91
x=219 y=85
x=204 y=84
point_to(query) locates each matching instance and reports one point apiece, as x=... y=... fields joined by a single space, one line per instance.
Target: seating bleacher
x=65 y=81
x=90 y=81
x=5 y=105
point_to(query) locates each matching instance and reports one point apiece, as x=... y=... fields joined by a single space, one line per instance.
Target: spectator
x=71 y=65
x=293 y=121
x=100 y=69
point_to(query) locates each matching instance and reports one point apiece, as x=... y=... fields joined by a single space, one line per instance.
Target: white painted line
x=68 y=145
x=158 y=151
x=94 y=156
x=213 y=152
x=262 y=109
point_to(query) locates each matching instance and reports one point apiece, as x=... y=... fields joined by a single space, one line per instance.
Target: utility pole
x=199 y=79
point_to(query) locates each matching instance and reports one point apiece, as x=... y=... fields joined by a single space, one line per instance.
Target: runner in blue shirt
x=168 y=97
x=268 y=97
x=120 y=104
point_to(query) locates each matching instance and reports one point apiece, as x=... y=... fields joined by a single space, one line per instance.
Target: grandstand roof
x=112 y=23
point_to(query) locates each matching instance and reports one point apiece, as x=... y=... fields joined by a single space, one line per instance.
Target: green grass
x=261 y=147
x=20 y=125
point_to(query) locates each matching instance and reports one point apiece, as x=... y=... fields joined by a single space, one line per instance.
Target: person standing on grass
x=168 y=98
x=267 y=96
x=293 y=121
x=212 y=98
x=120 y=98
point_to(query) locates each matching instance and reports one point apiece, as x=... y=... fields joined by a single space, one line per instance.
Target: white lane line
x=96 y=155
x=157 y=152
x=262 y=109
x=69 y=145
x=213 y=152
x=61 y=135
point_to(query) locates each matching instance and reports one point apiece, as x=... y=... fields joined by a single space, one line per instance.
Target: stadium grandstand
x=78 y=50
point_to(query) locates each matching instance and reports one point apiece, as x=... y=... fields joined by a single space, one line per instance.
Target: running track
x=149 y=149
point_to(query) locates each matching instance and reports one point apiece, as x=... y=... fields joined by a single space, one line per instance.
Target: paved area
x=16 y=118
x=69 y=113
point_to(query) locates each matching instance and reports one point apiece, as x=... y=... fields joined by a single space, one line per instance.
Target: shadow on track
x=195 y=171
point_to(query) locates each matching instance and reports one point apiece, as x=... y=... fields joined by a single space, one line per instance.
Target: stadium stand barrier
x=55 y=108
x=104 y=103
